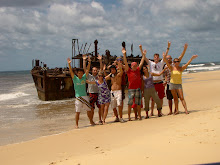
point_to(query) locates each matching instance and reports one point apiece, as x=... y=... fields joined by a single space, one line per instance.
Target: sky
x=44 y=29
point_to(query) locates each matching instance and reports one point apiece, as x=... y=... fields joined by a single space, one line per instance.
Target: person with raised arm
x=104 y=97
x=116 y=90
x=134 y=88
x=156 y=66
x=148 y=89
x=92 y=88
x=81 y=100
x=176 y=80
x=167 y=74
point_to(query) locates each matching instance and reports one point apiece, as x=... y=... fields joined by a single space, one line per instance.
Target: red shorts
x=93 y=98
x=160 y=90
x=135 y=105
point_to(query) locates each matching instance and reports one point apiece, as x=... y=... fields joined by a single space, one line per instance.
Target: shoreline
x=141 y=142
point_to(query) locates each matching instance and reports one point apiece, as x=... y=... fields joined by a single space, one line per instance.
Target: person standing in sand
x=176 y=81
x=148 y=89
x=116 y=90
x=167 y=79
x=156 y=66
x=134 y=79
x=81 y=100
x=104 y=96
x=123 y=79
x=92 y=88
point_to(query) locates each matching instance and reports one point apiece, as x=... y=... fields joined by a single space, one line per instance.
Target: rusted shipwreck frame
x=56 y=84
x=51 y=86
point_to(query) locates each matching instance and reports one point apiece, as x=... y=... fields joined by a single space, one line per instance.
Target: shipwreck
x=56 y=83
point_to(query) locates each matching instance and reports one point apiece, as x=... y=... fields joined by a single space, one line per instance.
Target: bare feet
x=177 y=112
x=92 y=123
x=147 y=117
x=116 y=119
x=100 y=122
x=129 y=119
x=76 y=127
x=187 y=112
x=170 y=113
x=140 y=118
x=160 y=113
x=152 y=114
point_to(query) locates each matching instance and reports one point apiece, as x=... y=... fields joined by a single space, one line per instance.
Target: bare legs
x=104 y=111
x=92 y=112
x=135 y=113
x=152 y=107
x=137 y=110
x=115 y=114
x=129 y=112
x=77 y=119
x=180 y=93
x=89 y=114
x=170 y=103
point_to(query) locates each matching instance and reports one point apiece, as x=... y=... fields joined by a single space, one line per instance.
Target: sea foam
x=9 y=96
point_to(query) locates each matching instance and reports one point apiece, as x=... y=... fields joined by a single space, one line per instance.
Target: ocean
x=24 y=117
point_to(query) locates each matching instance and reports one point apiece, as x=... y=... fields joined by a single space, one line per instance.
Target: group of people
x=143 y=81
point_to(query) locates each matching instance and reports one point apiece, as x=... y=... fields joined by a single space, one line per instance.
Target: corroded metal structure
x=56 y=84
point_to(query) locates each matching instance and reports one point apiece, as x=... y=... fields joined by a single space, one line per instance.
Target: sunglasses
x=176 y=61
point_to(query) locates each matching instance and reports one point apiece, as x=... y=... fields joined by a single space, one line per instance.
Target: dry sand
x=180 y=139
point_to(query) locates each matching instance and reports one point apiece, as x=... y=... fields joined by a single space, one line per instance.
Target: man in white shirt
x=157 y=66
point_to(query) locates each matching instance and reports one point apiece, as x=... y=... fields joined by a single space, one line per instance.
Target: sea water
x=24 y=117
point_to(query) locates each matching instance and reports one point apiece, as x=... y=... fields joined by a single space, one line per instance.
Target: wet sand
x=180 y=139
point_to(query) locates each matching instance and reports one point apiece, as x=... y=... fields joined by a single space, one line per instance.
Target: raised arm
x=120 y=69
x=165 y=60
x=125 y=59
x=86 y=69
x=185 y=66
x=184 y=51
x=84 y=62
x=144 y=53
x=100 y=61
x=168 y=48
x=158 y=74
x=88 y=66
x=142 y=62
x=70 y=68
x=108 y=77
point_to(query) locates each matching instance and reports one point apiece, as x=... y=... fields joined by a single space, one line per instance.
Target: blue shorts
x=134 y=93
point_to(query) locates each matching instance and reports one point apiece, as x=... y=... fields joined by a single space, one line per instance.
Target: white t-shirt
x=92 y=88
x=156 y=68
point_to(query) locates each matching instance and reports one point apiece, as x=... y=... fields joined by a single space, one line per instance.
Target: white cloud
x=46 y=32
x=180 y=5
x=98 y=6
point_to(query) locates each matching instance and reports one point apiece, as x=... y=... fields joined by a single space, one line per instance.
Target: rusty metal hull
x=53 y=87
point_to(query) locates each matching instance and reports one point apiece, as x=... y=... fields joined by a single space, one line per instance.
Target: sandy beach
x=180 y=139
